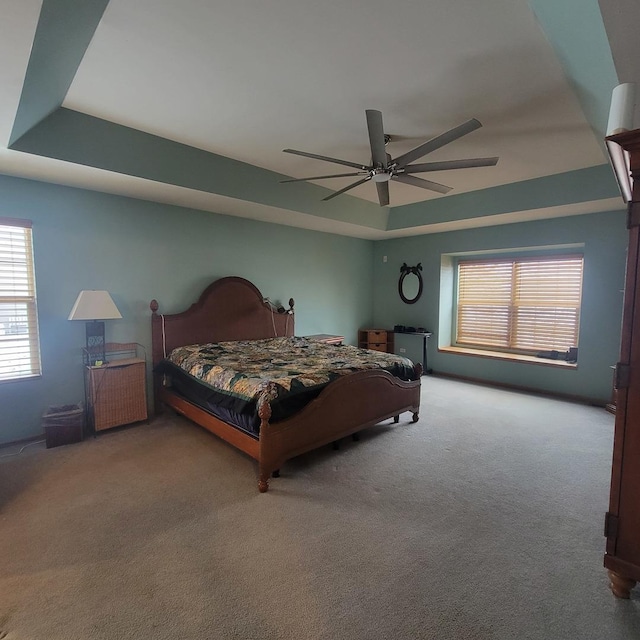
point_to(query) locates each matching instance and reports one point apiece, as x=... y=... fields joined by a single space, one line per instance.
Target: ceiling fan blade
x=419 y=182
x=376 y=138
x=351 y=186
x=437 y=142
x=383 y=193
x=451 y=164
x=346 y=163
x=335 y=175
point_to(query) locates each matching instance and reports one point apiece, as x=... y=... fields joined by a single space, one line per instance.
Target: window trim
x=495 y=351
x=31 y=301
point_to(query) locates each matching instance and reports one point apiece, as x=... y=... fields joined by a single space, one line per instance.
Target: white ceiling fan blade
x=451 y=164
x=346 y=163
x=351 y=186
x=335 y=175
x=376 y=138
x=383 y=193
x=420 y=182
x=437 y=142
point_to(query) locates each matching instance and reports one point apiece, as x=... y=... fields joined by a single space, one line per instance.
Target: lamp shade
x=94 y=305
x=623 y=103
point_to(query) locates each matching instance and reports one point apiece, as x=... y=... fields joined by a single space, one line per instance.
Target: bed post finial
x=291 y=303
x=153 y=305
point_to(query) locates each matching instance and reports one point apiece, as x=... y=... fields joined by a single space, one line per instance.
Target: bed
x=257 y=416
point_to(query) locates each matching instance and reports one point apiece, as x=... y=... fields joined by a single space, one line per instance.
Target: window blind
x=19 y=344
x=522 y=305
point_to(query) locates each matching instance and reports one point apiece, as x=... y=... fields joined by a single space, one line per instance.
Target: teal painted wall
x=140 y=250
x=605 y=238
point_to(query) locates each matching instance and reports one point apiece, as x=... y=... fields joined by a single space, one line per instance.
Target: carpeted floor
x=481 y=521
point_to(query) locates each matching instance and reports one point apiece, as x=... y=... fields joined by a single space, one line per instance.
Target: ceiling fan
x=384 y=168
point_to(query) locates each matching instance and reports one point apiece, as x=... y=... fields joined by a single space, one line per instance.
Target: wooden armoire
x=622 y=522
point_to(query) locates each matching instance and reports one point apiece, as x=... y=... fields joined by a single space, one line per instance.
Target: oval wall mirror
x=410 y=283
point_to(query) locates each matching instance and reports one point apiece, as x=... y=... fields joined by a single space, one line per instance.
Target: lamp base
x=95 y=343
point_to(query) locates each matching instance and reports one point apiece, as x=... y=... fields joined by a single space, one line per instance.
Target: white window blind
x=19 y=344
x=523 y=305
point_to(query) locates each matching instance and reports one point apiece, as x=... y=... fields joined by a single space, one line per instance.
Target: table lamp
x=94 y=307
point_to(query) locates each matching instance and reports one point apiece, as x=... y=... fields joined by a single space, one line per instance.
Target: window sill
x=32 y=376
x=510 y=357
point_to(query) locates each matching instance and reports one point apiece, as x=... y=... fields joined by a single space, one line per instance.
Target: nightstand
x=327 y=338
x=116 y=392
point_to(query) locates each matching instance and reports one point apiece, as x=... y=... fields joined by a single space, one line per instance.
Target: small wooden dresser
x=376 y=339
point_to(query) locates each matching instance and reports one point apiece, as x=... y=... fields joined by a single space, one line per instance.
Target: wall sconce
x=94 y=307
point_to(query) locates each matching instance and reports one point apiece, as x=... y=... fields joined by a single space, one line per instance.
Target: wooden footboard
x=346 y=406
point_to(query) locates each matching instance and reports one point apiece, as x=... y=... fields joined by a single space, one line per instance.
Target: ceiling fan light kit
x=384 y=168
x=380 y=175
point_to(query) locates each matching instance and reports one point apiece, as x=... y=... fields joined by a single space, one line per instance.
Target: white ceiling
x=245 y=80
x=248 y=78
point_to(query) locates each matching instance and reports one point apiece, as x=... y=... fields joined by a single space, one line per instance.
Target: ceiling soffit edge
x=78 y=138
x=65 y=29
x=581 y=185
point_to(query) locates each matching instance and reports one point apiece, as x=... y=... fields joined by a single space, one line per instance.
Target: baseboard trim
x=13 y=443
x=594 y=402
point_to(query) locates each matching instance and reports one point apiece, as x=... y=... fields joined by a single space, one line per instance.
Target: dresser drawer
x=378 y=336
x=377 y=346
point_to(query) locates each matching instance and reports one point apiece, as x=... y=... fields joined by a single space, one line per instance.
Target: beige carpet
x=482 y=521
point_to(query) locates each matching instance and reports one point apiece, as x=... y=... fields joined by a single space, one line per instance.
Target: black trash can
x=63 y=424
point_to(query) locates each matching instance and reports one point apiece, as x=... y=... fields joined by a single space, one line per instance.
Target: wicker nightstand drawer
x=116 y=393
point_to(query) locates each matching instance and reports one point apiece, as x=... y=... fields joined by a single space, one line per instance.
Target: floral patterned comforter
x=278 y=368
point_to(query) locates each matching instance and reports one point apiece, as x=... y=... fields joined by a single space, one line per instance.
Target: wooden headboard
x=229 y=309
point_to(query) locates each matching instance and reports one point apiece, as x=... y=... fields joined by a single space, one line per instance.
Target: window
x=19 y=345
x=522 y=305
